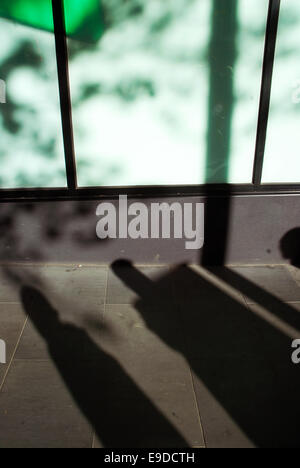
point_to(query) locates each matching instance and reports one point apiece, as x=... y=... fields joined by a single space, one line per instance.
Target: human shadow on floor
x=240 y=358
x=120 y=413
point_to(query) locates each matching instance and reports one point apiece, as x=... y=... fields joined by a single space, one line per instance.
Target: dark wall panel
x=65 y=231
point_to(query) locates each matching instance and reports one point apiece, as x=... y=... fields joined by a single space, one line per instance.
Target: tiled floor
x=149 y=356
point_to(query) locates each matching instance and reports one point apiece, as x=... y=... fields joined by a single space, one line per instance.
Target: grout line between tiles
x=32 y=360
x=83 y=265
x=13 y=355
x=197 y=406
x=292 y=276
x=266 y=306
x=190 y=371
x=274 y=322
x=104 y=305
x=10 y=302
x=106 y=290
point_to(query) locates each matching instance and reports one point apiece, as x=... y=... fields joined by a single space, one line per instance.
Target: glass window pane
x=164 y=96
x=247 y=84
x=281 y=163
x=31 y=145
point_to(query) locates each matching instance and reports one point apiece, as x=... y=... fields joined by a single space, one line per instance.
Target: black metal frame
x=73 y=192
x=64 y=91
x=265 y=97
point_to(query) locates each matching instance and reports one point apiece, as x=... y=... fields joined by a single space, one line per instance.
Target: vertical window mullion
x=265 y=97
x=64 y=91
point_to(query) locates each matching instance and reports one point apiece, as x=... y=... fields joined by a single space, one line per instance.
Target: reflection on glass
x=142 y=97
x=31 y=146
x=281 y=163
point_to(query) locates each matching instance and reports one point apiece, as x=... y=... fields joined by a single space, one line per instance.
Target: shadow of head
x=290 y=246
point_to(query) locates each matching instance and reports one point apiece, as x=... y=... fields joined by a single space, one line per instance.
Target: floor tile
x=295 y=272
x=121 y=368
x=149 y=329
x=210 y=315
x=76 y=286
x=9 y=292
x=218 y=329
x=220 y=429
x=246 y=402
x=161 y=372
x=195 y=285
x=276 y=281
x=118 y=410
x=128 y=283
x=283 y=319
x=81 y=288
x=12 y=319
x=34 y=345
x=37 y=410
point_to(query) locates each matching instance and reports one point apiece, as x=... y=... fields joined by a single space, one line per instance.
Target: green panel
x=35 y=13
x=84 y=18
x=282 y=161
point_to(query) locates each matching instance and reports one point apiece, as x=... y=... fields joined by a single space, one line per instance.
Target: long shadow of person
x=242 y=359
x=120 y=413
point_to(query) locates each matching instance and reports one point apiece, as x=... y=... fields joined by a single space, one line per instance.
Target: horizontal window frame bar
x=62 y=62
x=90 y=193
